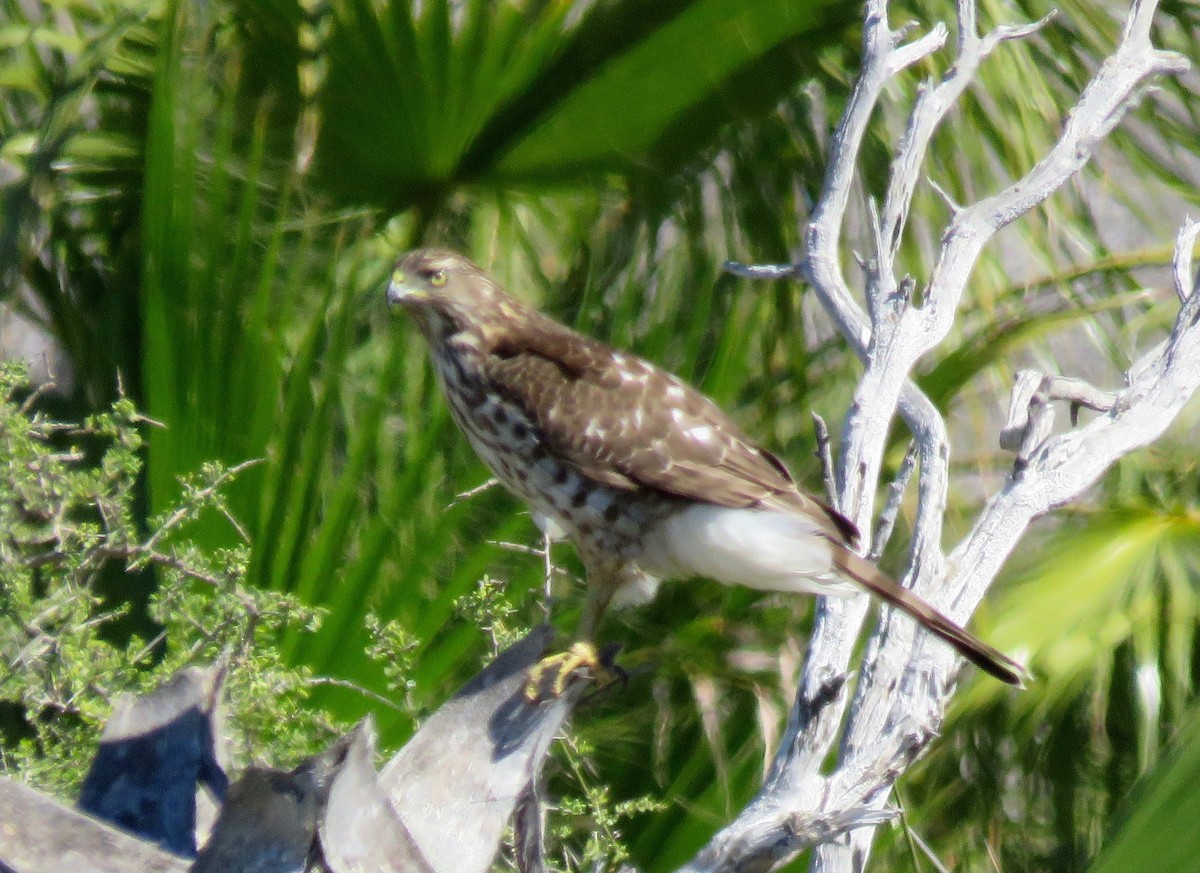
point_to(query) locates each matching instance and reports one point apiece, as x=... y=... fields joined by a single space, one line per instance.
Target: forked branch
x=900 y=698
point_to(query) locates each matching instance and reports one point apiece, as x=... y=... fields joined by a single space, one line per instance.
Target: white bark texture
x=888 y=717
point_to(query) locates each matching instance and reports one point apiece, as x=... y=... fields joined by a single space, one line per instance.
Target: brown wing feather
x=622 y=421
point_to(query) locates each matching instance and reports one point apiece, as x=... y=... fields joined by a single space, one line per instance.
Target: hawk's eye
x=437 y=278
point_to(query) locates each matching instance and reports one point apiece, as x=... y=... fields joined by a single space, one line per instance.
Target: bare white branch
x=1031 y=417
x=904 y=56
x=907 y=676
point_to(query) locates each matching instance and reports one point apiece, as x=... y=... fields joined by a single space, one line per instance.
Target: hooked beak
x=400 y=291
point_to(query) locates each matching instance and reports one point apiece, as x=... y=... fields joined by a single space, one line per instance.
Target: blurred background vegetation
x=201 y=203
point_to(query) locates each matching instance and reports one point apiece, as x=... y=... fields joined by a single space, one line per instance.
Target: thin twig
x=929 y=853
x=824 y=454
x=761 y=271
x=35 y=395
x=474 y=492
x=891 y=508
x=908 y=833
x=1185 y=283
x=991 y=851
x=179 y=515
x=242 y=533
x=354 y=686
x=548 y=580
x=140 y=554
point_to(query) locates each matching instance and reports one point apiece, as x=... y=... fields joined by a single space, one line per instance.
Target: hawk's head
x=446 y=293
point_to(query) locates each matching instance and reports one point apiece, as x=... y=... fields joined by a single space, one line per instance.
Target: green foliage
x=75 y=81
x=393 y=646
x=488 y=609
x=69 y=530
x=586 y=832
x=1159 y=812
x=486 y=93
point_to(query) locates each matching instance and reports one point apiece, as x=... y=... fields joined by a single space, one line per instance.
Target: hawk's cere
x=643 y=473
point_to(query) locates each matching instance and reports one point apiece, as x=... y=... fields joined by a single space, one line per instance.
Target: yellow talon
x=551 y=676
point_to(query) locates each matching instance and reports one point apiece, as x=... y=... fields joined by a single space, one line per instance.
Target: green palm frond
x=417 y=101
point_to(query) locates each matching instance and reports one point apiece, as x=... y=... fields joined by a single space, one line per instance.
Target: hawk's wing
x=622 y=421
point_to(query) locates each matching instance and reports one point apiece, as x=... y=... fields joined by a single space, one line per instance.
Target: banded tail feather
x=985 y=657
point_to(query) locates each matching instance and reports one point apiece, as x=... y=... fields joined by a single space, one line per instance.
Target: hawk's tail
x=970 y=647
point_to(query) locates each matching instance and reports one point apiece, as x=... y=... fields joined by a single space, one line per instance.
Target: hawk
x=644 y=474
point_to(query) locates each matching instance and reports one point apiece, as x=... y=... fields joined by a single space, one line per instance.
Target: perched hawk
x=643 y=473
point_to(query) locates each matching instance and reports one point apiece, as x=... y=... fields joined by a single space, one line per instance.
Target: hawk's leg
x=551 y=676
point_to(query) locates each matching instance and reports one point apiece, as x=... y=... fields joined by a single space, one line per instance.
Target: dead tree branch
x=907 y=677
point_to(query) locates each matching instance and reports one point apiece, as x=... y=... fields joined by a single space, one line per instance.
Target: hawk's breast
x=590 y=513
